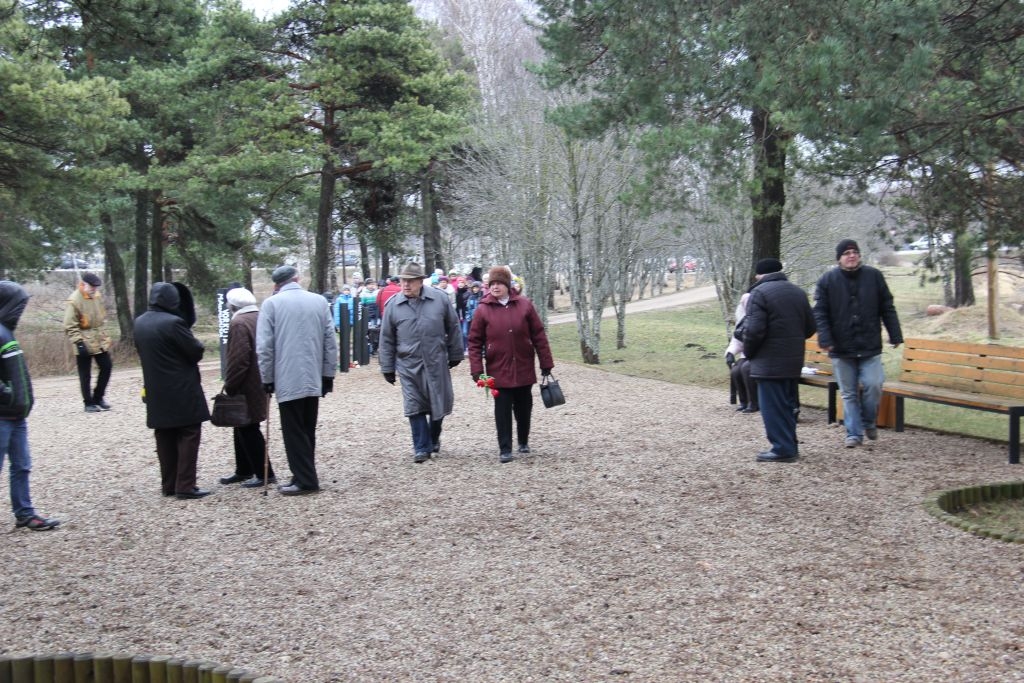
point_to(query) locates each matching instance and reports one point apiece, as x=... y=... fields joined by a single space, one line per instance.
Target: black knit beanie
x=768 y=265
x=844 y=245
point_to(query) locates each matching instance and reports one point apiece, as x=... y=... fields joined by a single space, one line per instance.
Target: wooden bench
x=823 y=378
x=986 y=377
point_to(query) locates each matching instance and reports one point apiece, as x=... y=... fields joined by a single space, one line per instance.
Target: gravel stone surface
x=639 y=541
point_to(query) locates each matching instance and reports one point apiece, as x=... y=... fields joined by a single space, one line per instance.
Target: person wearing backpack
x=15 y=404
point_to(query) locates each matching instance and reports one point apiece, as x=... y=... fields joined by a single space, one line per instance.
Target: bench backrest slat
x=977 y=368
x=972 y=360
x=814 y=357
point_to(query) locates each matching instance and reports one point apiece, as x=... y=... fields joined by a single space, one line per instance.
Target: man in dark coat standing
x=851 y=303
x=175 y=404
x=778 y=321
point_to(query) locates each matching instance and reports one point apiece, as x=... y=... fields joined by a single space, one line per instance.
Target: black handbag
x=551 y=393
x=230 y=411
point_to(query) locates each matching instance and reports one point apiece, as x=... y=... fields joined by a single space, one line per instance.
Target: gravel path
x=639 y=542
x=670 y=300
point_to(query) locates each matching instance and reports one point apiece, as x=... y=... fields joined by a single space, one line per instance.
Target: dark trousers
x=518 y=402
x=298 y=429
x=778 y=411
x=250 y=450
x=426 y=433
x=93 y=396
x=177 y=448
x=746 y=387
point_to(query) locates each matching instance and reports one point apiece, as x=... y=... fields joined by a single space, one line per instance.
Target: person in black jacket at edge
x=778 y=321
x=176 y=407
x=851 y=303
x=15 y=404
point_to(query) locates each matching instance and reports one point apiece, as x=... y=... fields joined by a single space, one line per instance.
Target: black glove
x=730 y=360
x=545 y=372
x=326 y=386
x=476 y=376
x=268 y=387
x=453 y=363
x=389 y=377
x=80 y=347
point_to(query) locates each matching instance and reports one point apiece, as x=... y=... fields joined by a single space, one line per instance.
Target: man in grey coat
x=420 y=341
x=297 y=355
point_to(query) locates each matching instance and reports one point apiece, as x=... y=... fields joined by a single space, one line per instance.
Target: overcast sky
x=265 y=8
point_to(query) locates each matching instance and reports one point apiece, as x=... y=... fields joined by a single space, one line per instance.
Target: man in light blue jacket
x=297 y=354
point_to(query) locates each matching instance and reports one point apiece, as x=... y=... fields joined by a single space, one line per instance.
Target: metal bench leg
x=832 y=391
x=1015 y=435
x=899 y=413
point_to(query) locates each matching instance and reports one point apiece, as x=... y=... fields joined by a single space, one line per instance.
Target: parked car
x=68 y=262
x=927 y=242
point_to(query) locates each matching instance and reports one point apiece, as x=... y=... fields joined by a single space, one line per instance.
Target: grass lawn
x=1004 y=515
x=687 y=346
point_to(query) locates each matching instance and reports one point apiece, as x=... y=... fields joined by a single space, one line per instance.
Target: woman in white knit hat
x=242 y=376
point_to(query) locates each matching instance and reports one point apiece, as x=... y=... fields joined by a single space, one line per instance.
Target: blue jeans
x=14 y=444
x=860 y=385
x=426 y=433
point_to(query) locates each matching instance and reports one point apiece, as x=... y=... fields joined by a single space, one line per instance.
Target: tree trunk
x=247 y=269
x=141 y=289
x=118 y=279
x=590 y=355
x=963 y=285
x=768 y=190
x=432 y=257
x=322 y=243
x=156 y=240
x=364 y=256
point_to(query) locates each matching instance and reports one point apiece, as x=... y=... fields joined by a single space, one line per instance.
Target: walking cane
x=266 y=452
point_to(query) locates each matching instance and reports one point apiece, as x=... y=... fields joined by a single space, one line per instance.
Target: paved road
x=687 y=296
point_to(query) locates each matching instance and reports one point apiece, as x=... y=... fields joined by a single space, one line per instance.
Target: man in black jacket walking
x=778 y=320
x=851 y=303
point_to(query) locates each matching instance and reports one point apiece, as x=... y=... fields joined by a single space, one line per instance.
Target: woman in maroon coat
x=507 y=333
x=242 y=376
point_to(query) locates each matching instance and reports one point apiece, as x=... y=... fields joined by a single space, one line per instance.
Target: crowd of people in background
x=366 y=298
x=426 y=324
